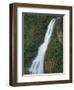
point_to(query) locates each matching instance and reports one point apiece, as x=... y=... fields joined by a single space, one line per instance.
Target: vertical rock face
x=59 y=30
x=56 y=54
x=35 y=28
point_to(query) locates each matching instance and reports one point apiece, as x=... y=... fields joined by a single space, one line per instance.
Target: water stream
x=37 y=66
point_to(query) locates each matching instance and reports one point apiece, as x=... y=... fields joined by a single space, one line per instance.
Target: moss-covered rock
x=35 y=27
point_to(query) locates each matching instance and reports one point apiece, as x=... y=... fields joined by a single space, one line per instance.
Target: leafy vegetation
x=35 y=27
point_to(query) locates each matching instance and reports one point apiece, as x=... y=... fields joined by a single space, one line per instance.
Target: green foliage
x=35 y=27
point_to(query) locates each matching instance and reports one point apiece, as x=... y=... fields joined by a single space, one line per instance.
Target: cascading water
x=38 y=62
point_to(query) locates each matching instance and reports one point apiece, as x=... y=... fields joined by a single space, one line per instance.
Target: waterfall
x=38 y=62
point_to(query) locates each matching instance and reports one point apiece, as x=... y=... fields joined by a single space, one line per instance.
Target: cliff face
x=54 y=56
x=35 y=27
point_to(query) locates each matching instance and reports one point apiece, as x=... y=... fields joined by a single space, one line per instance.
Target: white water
x=38 y=62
